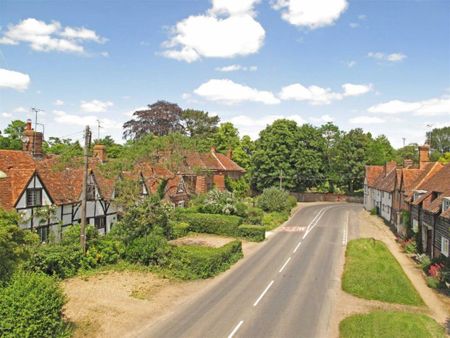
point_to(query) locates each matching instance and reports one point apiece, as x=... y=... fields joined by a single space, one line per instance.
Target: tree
x=273 y=161
x=439 y=139
x=331 y=136
x=379 y=151
x=113 y=149
x=226 y=137
x=161 y=118
x=198 y=123
x=58 y=146
x=13 y=135
x=408 y=152
x=242 y=154
x=444 y=159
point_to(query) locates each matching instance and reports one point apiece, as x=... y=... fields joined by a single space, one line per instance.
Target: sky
x=383 y=66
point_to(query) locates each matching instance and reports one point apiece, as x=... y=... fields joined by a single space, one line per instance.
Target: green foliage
x=408 y=152
x=199 y=124
x=432 y=282
x=371 y=272
x=445 y=158
x=254 y=215
x=226 y=137
x=439 y=139
x=373 y=211
x=31 y=306
x=251 y=232
x=274 y=219
x=179 y=229
x=220 y=202
x=212 y=223
x=103 y=250
x=274 y=199
x=379 y=151
x=113 y=149
x=14 y=132
x=15 y=243
x=381 y=324
x=149 y=250
x=194 y=262
x=239 y=187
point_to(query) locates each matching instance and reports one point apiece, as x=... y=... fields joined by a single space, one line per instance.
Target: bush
x=212 y=223
x=252 y=232
x=152 y=249
x=179 y=229
x=56 y=260
x=274 y=199
x=219 y=202
x=425 y=262
x=292 y=201
x=241 y=209
x=254 y=215
x=194 y=262
x=432 y=282
x=274 y=219
x=31 y=306
x=373 y=211
x=105 y=250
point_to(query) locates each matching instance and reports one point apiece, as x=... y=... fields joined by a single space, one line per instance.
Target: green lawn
x=390 y=324
x=371 y=272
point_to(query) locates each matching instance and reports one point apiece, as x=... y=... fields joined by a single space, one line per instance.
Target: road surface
x=284 y=289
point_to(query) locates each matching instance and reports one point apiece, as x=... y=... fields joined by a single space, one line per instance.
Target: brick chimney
x=230 y=153
x=424 y=155
x=32 y=140
x=213 y=149
x=407 y=162
x=389 y=166
x=99 y=152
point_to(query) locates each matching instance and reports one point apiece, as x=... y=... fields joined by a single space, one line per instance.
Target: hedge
x=31 y=306
x=274 y=219
x=212 y=223
x=179 y=229
x=194 y=262
x=256 y=233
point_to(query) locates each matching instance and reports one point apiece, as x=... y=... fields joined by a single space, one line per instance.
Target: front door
x=429 y=241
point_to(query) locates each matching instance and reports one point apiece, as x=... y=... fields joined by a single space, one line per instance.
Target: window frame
x=444 y=246
x=33 y=191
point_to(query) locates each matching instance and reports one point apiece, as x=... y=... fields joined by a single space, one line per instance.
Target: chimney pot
x=100 y=152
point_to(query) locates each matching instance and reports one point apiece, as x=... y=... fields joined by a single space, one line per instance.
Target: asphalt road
x=281 y=290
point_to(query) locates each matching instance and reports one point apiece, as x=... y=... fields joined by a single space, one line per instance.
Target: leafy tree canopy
x=199 y=123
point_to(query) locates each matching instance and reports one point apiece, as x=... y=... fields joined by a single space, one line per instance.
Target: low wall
x=326 y=197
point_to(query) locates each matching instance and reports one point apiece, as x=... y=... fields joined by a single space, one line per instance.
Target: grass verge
x=390 y=324
x=371 y=272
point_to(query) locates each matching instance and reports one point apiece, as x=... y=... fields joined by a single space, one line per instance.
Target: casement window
x=445 y=204
x=90 y=192
x=34 y=197
x=100 y=222
x=444 y=246
x=43 y=233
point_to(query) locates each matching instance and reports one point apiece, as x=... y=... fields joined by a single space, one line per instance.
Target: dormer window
x=34 y=197
x=418 y=194
x=445 y=204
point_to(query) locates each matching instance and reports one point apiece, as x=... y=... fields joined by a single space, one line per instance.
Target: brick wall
x=326 y=197
x=219 y=182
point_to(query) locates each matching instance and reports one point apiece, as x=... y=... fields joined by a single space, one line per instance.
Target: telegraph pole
x=87 y=141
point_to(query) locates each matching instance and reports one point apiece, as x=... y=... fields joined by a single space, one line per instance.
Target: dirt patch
x=436 y=305
x=203 y=240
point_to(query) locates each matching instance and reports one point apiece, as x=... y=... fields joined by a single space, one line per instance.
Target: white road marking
x=235 y=329
x=315 y=221
x=298 y=245
x=262 y=294
x=284 y=265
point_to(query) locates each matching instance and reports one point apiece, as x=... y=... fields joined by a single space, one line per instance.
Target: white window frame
x=444 y=246
x=445 y=203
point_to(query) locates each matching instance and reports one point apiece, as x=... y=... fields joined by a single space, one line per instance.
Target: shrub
x=274 y=219
x=56 y=260
x=432 y=282
x=425 y=262
x=252 y=232
x=254 y=215
x=31 y=306
x=212 y=224
x=194 y=262
x=292 y=202
x=274 y=199
x=373 y=211
x=241 y=209
x=179 y=229
x=152 y=249
x=104 y=250
x=219 y=202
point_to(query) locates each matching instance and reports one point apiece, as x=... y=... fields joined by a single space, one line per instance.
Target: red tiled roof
x=373 y=172
x=387 y=183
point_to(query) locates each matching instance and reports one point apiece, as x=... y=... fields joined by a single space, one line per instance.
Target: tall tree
x=199 y=123
x=12 y=138
x=408 y=152
x=161 y=118
x=379 y=151
x=242 y=154
x=331 y=136
x=226 y=137
x=439 y=139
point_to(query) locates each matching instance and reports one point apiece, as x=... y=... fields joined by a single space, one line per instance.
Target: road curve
x=281 y=290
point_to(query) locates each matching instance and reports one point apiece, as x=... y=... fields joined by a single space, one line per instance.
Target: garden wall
x=326 y=197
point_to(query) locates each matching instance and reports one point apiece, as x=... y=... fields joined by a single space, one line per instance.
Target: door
x=429 y=241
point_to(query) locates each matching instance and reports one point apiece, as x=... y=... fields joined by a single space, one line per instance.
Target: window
x=444 y=246
x=445 y=204
x=100 y=222
x=90 y=192
x=34 y=197
x=415 y=225
x=43 y=233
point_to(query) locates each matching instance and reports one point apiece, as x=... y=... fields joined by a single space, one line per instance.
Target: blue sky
x=383 y=66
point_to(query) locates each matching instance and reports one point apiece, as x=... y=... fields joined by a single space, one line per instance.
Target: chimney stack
x=230 y=153
x=99 y=152
x=32 y=140
x=424 y=155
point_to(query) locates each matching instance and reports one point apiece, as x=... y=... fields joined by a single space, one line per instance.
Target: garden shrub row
x=251 y=232
x=194 y=262
x=272 y=220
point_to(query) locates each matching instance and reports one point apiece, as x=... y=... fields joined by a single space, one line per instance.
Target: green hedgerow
x=31 y=306
x=274 y=199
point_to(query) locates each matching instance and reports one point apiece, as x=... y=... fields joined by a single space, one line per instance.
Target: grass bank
x=371 y=272
x=390 y=324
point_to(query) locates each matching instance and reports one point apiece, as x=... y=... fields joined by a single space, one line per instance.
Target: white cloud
x=45 y=37
x=91 y=120
x=366 y=120
x=430 y=107
x=211 y=35
x=322 y=119
x=14 y=80
x=351 y=63
x=20 y=110
x=311 y=13
x=229 y=92
x=356 y=89
x=6 y=115
x=58 y=102
x=394 y=57
x=251 y=126
x=234 y=68
x=95 y=106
